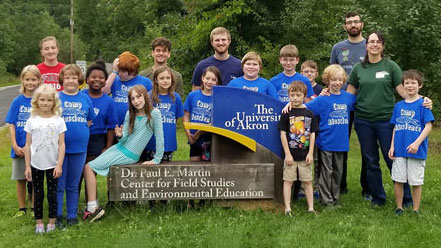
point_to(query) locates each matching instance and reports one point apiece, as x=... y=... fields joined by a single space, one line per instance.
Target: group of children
x=331 y=110
x=69 y=134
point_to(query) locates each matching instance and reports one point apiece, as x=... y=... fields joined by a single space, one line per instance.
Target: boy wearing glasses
x=309 y=69
x=289 y=58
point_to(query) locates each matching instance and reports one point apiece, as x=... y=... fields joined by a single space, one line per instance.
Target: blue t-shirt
x=120 y=91
x=281 y=82
x=260 y=85
x=105 y=113
x=409 y=120
x=77 y=110
x=230 y=69
x=170 y=112
x=19 y=112
x=199 y=107
x=334 y=113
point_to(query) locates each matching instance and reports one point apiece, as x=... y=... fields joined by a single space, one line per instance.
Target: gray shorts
x=408 y=170
x=18 y=169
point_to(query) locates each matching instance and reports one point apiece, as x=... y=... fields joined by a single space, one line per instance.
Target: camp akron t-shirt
x=334 y=113
x=120 y=91
x=170 y=111
x=281 y=82
x=409 y=120
x=199 y=107
x=298 y=124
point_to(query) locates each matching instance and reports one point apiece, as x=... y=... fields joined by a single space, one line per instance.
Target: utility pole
x=71 y=32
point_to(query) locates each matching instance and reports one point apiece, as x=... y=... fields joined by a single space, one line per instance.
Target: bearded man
x=347 y=53
x=228 y=65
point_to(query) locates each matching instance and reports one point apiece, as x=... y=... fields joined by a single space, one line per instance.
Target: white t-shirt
x=45 y=133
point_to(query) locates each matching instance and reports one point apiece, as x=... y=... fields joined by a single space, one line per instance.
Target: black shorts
x=97 y=142
x=202 y=147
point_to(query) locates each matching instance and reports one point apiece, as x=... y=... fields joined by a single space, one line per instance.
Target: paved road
x=7 y=94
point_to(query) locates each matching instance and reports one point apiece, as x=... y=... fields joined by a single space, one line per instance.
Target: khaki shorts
x=290 y=172
x=408 y=170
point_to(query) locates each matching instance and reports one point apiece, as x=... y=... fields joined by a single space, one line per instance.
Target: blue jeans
x=73 y=165
x=372 y=134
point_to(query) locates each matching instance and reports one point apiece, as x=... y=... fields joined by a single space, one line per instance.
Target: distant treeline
x=105 y=28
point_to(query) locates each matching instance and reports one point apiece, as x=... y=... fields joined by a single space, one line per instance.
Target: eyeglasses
x=308 y=71
x=356 y=22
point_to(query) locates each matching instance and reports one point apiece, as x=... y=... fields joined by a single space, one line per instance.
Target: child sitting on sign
x=142 y=121
x=297 y=133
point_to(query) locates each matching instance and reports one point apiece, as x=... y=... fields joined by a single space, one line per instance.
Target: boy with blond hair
x=333 y=138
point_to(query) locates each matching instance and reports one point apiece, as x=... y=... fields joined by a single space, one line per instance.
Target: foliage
x=105 y=28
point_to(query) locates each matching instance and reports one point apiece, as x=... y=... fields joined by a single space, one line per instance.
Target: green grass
x=355 y=224
x=6 y=80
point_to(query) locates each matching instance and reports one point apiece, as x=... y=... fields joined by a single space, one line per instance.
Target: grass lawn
x=355 y=224
x=8 y=80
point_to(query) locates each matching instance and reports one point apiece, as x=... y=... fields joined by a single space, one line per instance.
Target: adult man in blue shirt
x=229 y=66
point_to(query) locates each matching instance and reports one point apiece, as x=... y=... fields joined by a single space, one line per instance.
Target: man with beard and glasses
x=228 y=65
x=347 y=53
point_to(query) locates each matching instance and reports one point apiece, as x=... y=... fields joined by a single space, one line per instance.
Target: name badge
x=381 y=74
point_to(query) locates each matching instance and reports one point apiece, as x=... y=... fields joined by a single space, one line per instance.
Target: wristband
x=116 y=72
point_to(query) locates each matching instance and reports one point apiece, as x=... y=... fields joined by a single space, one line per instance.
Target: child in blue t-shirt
x=251 y=66
x=333 y=138
x=124 y=76
x=164 y=98
x=409 y=145
x=102 y=129
x=78 y=114
x=197 y=108
x=289 y=58
x=19 y=112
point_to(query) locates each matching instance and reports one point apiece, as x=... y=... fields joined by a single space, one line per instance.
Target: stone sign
x=186 y=180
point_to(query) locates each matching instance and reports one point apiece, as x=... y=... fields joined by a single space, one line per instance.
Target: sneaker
x=288 y=213
x=312 y=212
x=398 y=211
x=59 y=222
x=301 y=195
x=39 y=228
x=72 y=222
x=86 y=215
x=20 y=213
x=99 y=212
x=50 y=227
x=367 y=197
